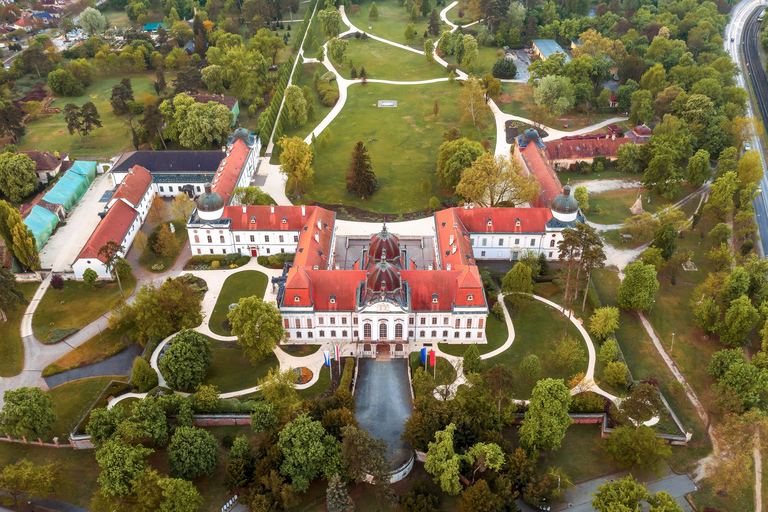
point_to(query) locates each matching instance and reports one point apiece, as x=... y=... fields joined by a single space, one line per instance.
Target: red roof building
x=134 y=187
x=228 y=173
x=534 y=161
x=120 y=225
x=563 y=152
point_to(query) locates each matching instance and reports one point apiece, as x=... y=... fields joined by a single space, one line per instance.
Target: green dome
x=565 y=202
x=241 y=134
x=210 y=201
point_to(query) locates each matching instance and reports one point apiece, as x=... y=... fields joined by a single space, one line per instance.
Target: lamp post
x=649 y=311
x=673 y=344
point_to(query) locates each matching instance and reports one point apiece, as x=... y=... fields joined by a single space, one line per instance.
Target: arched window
x=197 y=239
x=382 y=331
x=398 y=331
x=367 y=331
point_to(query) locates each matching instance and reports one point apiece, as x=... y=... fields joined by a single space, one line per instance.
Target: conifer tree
x=361 y=179
x=373 y=13
x=337 y=498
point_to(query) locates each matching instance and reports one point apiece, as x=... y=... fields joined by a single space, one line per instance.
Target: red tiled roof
x=229 y=170
x=134 y=186
x=265 y=220
x=44 y=160
x=114 y=226
x=504 y=220
x=585 y=148
x=642 y=131
x=460 y=251
x=449 y=285
x=227 y=101
x=315 y=287
x=313 y=251
x=545 y=174
x=469 y=283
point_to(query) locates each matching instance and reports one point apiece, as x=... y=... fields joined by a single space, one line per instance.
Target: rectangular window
x=198 y=251
x=333 y=320
x=281 y=238
x=354 y=321
x=501 y=242
x=298 y=334
x=434 y=320
x=309 y=323
x=222 y=239
x=237 y=238
x=211 y=251
x=333 y=334
x=552 y=243
x=295 y=239
x=472 y=242
x=170 y=189
x=445 y=321
x=485 y=242
x=223 y=251
x=550 y=254
x=469 y=323
x=198 y=188
x=287 y=323
x=479 y=335
x=410 y=321
x=253 y=238
x=410 y=334
x=421 y=334
x=288 y=335
x=482 y=254
x=320 y=320
x=517 y=241
x=161 y=188
x=309 y=334
x=268 y=251
x=480 y=323
x=322 y=334
x=343 y=320
x=457 y=324
x=423 y=321
x=533 y=242
x=468 y=334
x=445 y=334
x=344 y=334
x=456 y=334
x=266 y=238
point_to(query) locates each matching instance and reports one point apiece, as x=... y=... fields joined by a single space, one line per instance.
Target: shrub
x=215 y=264
x=498 y=310
x=143 y=376
x=504 y=68
x=616 y=373
x=57 y=282
x=242 y=260
x=262 y=260
x=587 y=402
x=330 y=98
x=185 y=363
x=346 y=377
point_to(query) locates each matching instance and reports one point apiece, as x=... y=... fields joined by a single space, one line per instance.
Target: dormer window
x=470 y=297
x=253 y=220
x=383 y=285
x=333 y=299
x=434 y=298
x=517 y=223
x=285 y=220
x=490 y=223
x=296 y=298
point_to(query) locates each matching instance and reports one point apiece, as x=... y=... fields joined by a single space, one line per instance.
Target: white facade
x=81 y=264
x=248 y=243
x=512 y=246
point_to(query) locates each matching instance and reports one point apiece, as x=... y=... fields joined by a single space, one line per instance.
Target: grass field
x=580 y=454
x=76 y=305
x=322 y=384
x=392 y=22
x=11 y=346
x=609 y=174
x=72 y=400
x=445 y=373
x=405 y=151
x=615 y=204
x=241 y=284
x=149 y=258
x=386 y=62
x=486 y=57
x=537 y=327
x=96 y=349
x=496 y=333
x=305 y=79
x=232 y=370
x=50 y=133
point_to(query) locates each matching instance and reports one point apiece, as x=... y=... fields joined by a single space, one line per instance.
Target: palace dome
x=241 y=134
x=384 y=247
x=383 y=278
x=531 y=135
x=210 y=205
x=565 y=207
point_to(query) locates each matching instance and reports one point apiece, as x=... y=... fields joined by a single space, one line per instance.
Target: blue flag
x=424 y=355
x=327 y=356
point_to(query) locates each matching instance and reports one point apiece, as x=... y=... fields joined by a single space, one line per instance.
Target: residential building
x=47 y=164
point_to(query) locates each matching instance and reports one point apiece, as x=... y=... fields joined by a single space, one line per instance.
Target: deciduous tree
x=604 y=321
x=495 y=179
x=546 y=419
x=17 y=176
x=472 y=101
x=296 y=163
x=279 y=390
x=257 y=325
x=296 y=105
x=90 y=118
x=10 y=296
x=454 y=156
x=193 y=452
x=186 y=361
x=638 y=287
x=308 y=452
x=27 y=412
x=364 y=456
x=530 y=368
x=182 y=207
x=637 y=448
x=120 y=463
x=554 y=93
x=517 y=285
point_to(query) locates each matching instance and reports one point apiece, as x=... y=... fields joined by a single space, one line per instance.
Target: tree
x=27 y=479
x=472 y=101
x=266 y=43
x=158 y=210
x=11 y=121
x=609 y=352
x=637 y=289
x=720 y=234
x=182 y=207
x=186 y=361
x=504 y=68
x=296 y=105
x=454 y=156
x=122 y=95
x=263 y=415
x=643 y=402
x=166 y=244
x=193 y=452
x=337 y=498
x=64 y=83
x=33 y=109
x=429 y=51
x=582 y=196
x=27 y=412
x=616 y=373
x=568 y=252
x=308 y=452
x=148 y=422
x=478 y=497
x=179 y=496
x=143 y=376
x=624 y=494
x=495 y=179
x=517 y=285
x=410 y=33
x=637 y=448
x=443 y=462
x=471 y=361
x=361 y=180
x=530 y=368
x=373 y=12
x=279 y=390
x=92 y=21
x=426 y=188
x=213 y=78
x=740 y=318
x=364 y=456
x=257 y=325
x=89 y=277
x=110 y=253
x=296 y=163
x=698 y=170
x=491 y=86
x=25 y=247
x=337 y=49
x=10 y=295
x=628 y=158
x=120 y=464
x=546 y=419
x=665 y=240
x=604 y=321
x=17 y=176
x=554 y=93
x=152 y=121
x=90 y=119
x=568 y=353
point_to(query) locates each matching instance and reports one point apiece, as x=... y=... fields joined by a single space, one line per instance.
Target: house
x=640 y=134
x=530 y=151
x=568 y=151
x=228 y=101
x=44 y=16
x=23 y=24
x=545 y=48
x=136 y=191
x=47 y=163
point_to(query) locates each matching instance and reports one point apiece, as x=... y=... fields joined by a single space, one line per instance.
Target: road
x=743 y=32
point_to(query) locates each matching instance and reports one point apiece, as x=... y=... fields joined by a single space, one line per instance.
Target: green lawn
x=233 y=371
x=615 y=204
x=96 y=349
x=76 y=305
x=148 y=258
x=445 y=372
x=300 y=350
x=392 y=22
x=405 y=150
x=322 y=384
x=241 y=284
x=486 y=57
x=50 y=133
x=387 y=62
x=608 y=174
x=495 y=331
x=72 y=400
x=537 y=327
x=580 y=455
x=11 y=346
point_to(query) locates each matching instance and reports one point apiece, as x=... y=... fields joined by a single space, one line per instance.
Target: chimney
x=271 y=208
x=243 y=209
x=466 y=205
x=317 y=237
x=319 y=224
x=471 y=206
x=303 y=211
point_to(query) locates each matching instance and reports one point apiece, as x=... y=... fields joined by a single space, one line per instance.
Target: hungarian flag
x=327 y=356
x=424 y=355
x=432 y=358
x=336 y=349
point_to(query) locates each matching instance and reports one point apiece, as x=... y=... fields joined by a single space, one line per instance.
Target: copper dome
x=384 y=246
x=383 y=278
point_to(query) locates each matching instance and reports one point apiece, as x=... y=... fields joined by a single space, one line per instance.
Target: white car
x=747 y=147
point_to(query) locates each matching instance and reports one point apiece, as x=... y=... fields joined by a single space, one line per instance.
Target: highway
x=743 y=32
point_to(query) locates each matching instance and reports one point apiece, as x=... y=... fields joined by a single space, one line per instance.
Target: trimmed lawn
x=233 y=371
x=495 y=331
x=615 y=204
x=391 y=23
x=486 y=57
x=537 y=327
x=50 y=133
x=300 y=350
x=574 y=178
x=237 y=286
x=306 y=79
x=72 y=400
x=148 y=258
x=322 y=384
x=445 y=370
x=96 y=349
x=76 y=305
x=580 y=455
x=11 y=346
x=404 y=152
x=386 y=62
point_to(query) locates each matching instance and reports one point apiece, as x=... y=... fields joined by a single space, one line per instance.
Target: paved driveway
x=383 y=402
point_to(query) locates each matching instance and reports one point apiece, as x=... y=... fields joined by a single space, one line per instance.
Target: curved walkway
x=443 y=16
